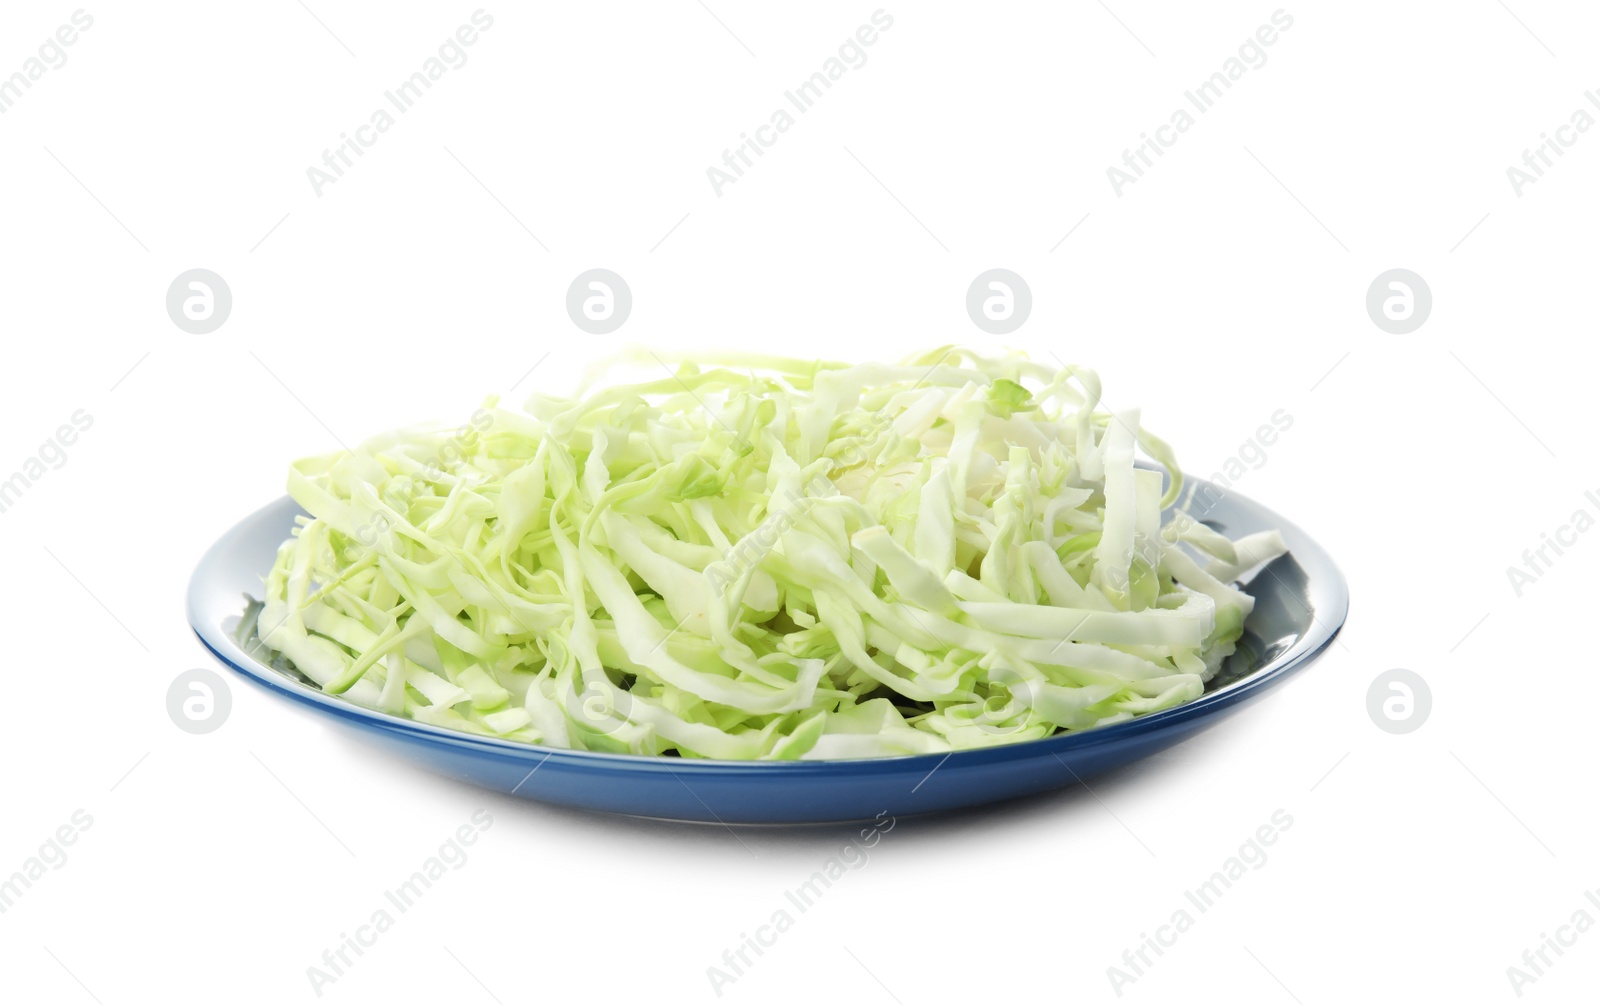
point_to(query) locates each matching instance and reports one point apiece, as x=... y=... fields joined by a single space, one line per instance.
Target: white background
x=1227 y=283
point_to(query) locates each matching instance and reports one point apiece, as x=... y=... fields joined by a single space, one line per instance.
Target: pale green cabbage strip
x=764 y=558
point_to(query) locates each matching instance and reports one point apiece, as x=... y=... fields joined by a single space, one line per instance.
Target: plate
x=1301 y=601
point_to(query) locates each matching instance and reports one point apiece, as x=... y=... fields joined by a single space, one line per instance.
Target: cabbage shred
x=765 y=558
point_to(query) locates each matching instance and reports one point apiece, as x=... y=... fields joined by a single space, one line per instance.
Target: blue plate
x=1301 y=602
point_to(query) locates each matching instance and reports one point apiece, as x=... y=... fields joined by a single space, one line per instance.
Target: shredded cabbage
x=764 y=558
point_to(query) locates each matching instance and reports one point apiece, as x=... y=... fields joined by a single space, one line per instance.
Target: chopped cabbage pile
x=764 y=558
